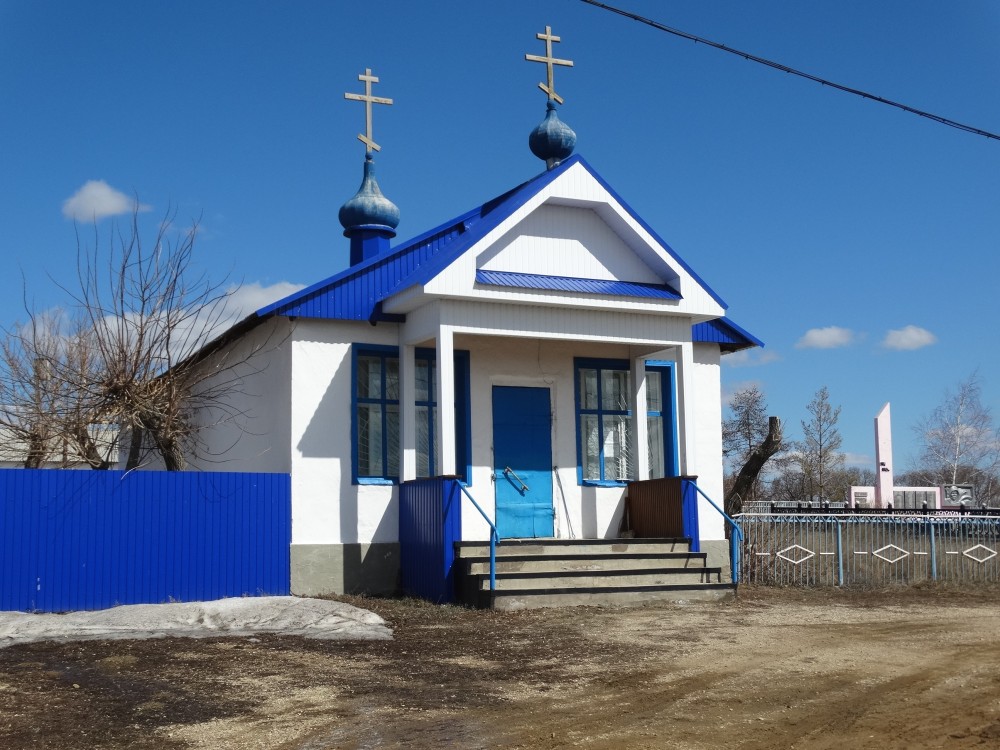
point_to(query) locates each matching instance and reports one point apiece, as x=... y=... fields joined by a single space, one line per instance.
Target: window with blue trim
x=660 y=423
x=376 y=413
x=604 y=421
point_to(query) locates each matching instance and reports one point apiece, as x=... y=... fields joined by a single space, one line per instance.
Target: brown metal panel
x=654 y=507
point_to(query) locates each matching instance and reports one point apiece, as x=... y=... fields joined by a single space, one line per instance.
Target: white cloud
x=247 y=298
x=96 y=200
x=750 y=358
x=831 y=337
x=908 y=338
x=203 y=325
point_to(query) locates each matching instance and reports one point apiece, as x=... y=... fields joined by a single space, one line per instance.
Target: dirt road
x=776 y=669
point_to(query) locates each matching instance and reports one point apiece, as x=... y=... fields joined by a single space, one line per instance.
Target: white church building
x=548 y=335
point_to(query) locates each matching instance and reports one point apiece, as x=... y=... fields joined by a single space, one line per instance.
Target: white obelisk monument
x=883 y=458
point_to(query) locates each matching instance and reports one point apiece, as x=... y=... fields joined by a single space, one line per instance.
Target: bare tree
x=149 y=315
x=749 y=475
x=133 y=362
x=749 y=440
x=821 y=443
x=26 y=398
x=46 y=415
x=959 y=443
x=747 y=427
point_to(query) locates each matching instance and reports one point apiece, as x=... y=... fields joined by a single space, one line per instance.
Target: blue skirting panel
x=73 y=539
x=689 y=511
x=430 y=522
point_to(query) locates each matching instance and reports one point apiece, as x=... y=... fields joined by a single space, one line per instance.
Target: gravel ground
x=777 y=668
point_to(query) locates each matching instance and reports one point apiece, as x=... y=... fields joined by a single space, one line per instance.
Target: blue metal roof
x=724 y=332
x=569 y=284
x=357 y=292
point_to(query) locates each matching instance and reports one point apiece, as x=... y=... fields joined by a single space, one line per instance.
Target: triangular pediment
x=556 y=240
x=571 y=228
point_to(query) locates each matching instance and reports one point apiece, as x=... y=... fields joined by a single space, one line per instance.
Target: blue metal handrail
x=735 y=539
x=494 y=538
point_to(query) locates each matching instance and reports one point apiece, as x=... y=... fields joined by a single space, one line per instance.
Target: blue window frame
x=603 y=421
x=661 y=424
x=375 y=414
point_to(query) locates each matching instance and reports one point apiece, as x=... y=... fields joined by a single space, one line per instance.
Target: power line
x=793 y=71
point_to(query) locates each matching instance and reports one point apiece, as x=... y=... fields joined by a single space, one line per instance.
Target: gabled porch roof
x=357 y=293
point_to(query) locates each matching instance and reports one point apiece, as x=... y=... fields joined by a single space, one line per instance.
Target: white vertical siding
x=326 y=507
x=708 y=437
x=254 y=433
x=564 y=241
x=553 y=323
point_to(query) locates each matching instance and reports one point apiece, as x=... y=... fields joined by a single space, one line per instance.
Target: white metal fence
x=844 y=549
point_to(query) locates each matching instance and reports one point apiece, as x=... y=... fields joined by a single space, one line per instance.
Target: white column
x=445 y=423
x=686 y=393
x=408 y=412
x=640 y=433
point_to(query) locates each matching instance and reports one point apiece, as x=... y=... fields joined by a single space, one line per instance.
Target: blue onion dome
x=368 y=207
x=553 y=140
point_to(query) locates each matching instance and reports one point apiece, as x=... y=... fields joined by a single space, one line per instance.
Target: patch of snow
x=285 y=615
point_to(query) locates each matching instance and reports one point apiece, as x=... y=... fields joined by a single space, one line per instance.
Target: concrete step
x=622 y=597
x=517 y=547
x=575 y=579
x=558 y=563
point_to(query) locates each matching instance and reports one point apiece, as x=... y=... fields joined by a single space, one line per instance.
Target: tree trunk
x=745 y=480
x=88 y=449
x=134 y=448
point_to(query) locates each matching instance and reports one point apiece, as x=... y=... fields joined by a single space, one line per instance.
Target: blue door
x=522 y=458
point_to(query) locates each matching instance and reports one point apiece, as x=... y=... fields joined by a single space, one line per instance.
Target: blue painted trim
x=591 y=363
x=463 y=377
x=672 y=460
x=384 y=352
x=463 y=400
x=605 y=287
x=602 y=364
x=689 y=513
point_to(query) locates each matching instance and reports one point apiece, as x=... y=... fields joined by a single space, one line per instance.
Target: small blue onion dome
x=368 y=207
x=553 y=140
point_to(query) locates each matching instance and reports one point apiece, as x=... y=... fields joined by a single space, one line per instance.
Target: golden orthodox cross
x=549 y=61
x=368 y=99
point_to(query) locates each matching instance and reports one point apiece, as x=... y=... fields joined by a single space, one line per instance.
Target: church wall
x=708 y=438
x=251 y=433
x=344 y=536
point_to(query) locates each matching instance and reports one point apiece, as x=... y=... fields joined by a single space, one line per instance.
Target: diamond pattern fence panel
x=870 y=550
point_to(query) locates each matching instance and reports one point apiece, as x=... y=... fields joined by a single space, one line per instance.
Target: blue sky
x=861 y=243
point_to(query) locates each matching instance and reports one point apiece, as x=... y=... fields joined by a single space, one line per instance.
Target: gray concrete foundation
x=718 y=556
x=319 y=569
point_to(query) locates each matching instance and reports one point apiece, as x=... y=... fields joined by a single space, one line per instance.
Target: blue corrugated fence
x=92 y=539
